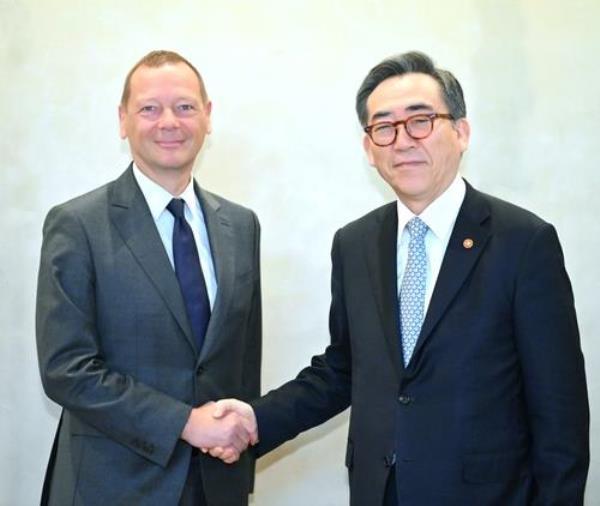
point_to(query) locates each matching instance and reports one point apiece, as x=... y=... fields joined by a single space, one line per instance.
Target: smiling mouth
x=409 y=163
x=169 y=144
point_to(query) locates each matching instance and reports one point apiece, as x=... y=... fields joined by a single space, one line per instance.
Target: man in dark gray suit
x=453 y=330
x=149 y=309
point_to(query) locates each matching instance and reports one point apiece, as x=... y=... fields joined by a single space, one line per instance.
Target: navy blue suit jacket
x=492 y=409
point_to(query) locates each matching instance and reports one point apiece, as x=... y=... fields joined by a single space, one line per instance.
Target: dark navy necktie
x=189 y=273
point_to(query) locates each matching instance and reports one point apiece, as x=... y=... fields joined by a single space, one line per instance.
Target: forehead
x=175 y=78
x=399 y=95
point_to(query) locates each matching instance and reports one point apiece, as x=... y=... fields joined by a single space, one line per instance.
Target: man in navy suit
x=148 y=309
x=453 y=331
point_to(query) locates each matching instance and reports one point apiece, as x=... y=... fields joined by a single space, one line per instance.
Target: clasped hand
x=224 y=429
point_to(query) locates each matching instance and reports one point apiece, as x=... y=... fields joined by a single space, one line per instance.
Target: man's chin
x=167 y=167
x=409 y=184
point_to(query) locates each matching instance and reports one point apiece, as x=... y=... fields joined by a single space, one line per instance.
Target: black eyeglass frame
x=431 y=117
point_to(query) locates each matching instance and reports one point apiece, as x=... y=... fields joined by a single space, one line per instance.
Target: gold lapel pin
x=468 y=243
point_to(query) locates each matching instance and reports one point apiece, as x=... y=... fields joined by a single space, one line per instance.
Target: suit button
x=199 y=371
x=405 y=399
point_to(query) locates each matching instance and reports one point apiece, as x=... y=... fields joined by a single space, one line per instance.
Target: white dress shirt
x=158 y=198
x=440 y=217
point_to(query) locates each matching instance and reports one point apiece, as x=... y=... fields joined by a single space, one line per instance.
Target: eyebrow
x=419 y=107
x=411 y=108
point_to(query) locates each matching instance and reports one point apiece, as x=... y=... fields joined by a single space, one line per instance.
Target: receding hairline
x=158 y=59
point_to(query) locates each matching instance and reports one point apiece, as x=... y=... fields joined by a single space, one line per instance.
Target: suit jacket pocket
x=495 y=467
x=79 y=428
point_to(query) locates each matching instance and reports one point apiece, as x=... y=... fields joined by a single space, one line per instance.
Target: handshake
x=224 y=429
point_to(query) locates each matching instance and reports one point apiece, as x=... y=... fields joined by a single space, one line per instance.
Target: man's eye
x=148 y=108
x=186 y=107
x=383 y=128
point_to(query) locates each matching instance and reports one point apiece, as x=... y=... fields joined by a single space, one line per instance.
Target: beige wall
x=282 y=76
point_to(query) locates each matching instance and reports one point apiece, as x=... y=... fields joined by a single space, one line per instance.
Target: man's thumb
x=222 y=407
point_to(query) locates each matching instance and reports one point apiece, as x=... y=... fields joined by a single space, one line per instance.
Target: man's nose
x=403 y=140
x=168 y=119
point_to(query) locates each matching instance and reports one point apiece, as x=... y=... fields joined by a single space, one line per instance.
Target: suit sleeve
x=553 y=372
x=253 y=356
x=321 y=390
x=73 y=370
x=252 y=363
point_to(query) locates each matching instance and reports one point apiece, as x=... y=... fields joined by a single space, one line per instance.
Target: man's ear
x=368 y=147
x=122 y=122
x=207 y=110
x=463 y=130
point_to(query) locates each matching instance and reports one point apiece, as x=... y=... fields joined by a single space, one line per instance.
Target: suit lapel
x=471 y=223
x=222 y=246
x=381 y=259
x=131 y=217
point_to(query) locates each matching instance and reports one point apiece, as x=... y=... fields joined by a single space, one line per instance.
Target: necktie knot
x=176 y=207
x=416 y=228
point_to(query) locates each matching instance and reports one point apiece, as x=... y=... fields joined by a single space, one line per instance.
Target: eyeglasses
x=417 y=127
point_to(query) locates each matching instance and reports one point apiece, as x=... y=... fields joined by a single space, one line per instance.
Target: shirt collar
x=158 y=198
x=441 y=214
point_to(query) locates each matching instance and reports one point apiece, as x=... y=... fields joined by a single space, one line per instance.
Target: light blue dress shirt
x=440 y=217
x=158 y=198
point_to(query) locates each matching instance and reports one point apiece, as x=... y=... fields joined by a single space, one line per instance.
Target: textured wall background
x=282 y=77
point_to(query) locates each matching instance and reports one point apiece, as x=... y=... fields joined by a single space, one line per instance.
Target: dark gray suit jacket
x=116 y=350
x=492 y=408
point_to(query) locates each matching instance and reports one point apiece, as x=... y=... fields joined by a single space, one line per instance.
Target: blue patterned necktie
x=189 y=273
x=412 y=289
